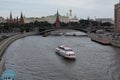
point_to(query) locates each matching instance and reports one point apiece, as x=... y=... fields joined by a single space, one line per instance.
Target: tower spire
x=21 y=15
x=10 y=20
x=57 y=14
x=21 y=19
x=10 y=15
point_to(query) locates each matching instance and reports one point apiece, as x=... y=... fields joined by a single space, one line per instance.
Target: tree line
x=81 y=25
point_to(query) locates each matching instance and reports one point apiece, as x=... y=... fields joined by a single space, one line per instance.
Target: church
x=19 y=21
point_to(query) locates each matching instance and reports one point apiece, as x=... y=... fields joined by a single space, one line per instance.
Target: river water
x=34 y=58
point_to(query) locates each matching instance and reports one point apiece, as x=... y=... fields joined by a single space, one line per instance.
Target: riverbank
x=100 y=38
x=104 y=39
x=6 y=42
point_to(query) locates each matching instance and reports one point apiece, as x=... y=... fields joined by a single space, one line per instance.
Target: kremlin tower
x=57 y=22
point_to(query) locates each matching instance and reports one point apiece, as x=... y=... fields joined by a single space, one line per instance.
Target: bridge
x=65 y=32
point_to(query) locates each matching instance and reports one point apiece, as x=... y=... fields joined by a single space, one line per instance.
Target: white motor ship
x=65 y=52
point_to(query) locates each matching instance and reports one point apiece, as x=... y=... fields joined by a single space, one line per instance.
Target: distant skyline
x=39 y=8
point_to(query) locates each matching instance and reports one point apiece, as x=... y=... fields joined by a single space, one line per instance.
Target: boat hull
x=64 y=55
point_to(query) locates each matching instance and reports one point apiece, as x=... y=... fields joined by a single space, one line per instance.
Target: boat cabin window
x=68 y=50
x=61 y=47
x=65 y=48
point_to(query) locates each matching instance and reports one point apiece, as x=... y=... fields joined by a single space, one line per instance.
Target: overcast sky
x=38 y=8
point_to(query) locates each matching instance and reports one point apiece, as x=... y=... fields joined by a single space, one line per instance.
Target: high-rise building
x=117 y=17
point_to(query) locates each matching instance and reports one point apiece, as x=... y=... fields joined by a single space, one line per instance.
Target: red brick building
x=19 y=21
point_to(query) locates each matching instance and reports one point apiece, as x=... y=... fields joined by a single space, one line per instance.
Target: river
x=34 y=58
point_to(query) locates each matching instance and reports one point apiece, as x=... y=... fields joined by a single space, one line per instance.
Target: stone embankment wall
x=2 y=66
x=5 y=43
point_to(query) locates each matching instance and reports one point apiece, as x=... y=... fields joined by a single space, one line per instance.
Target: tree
x=22 y=29
x=84 y=23
x=106 y=24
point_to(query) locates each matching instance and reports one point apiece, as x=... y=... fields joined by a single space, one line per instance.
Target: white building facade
x=2 y=20
x=51 y=19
